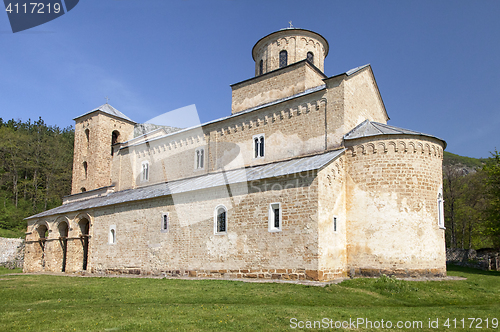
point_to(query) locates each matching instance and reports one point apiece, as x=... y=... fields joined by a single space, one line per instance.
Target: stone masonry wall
x=96 y=151
x=190 y=246
x=332 y=233
x=362 y=100
x=291 y=129
x=296 y=42
x=47 y=254
x=274 y=86
x=392 y=213
x=11 y=252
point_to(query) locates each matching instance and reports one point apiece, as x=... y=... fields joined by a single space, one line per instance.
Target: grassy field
x=56 y=303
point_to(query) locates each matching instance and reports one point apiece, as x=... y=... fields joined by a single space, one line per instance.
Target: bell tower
x=95 y=134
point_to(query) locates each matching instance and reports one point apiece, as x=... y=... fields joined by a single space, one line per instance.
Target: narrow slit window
x=85 y=168
x=335 y=226
x=261 y=67
x=275 y=217
x=112 y=234
x=164 y=222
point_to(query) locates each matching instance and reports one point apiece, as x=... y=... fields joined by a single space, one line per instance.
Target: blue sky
x=436 y=62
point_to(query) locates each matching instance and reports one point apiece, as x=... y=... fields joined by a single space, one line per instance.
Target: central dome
x=287 y=46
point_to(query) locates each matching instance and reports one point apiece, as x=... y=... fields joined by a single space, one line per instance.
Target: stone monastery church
x=304 y=180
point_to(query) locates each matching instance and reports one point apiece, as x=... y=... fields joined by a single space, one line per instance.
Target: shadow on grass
x=458 y=268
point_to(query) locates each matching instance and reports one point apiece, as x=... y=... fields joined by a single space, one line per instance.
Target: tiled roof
x=369 y=128
x=107 y=108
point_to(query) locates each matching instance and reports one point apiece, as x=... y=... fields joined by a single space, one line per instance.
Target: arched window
x=261 y=67
x=283 y=59
x=112 y=234
x=87 y=135
x=145 y=171
x=85 y=169
x=310 y=57
x=220 y=222
x=199 y=162
x=258 y=143
x=83 y=189
x=114 y=139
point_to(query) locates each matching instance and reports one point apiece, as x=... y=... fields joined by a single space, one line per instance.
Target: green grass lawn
x=56 y=303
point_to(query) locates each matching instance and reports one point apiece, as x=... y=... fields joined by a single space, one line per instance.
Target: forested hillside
x=35 y=171
x=471 y=197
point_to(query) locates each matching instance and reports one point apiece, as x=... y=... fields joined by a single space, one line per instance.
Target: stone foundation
x=400 y=273
x=277 y=274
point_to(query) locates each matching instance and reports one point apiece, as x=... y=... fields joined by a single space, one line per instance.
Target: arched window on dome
x=261 y=67
x=310 y=57
x=283 y=59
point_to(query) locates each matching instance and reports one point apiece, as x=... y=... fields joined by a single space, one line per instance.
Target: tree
x=35 y=169
x=492 y=169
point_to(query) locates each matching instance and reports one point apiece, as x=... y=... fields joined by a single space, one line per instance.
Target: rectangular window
x=164 y=222
x=335 y=227
x=258 y=146
x=275 y=220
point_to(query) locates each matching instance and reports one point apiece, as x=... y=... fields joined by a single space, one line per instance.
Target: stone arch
x=434 y=153
x=427 y=149
x=420 y=147
x=360 y=149
x=370 y=148
x=61 y=252
x=393 y=145
x=41 y=230
x=412 y=147
x=403 y=146
x=382 y=146
x=41 y=233
x=83 y=225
